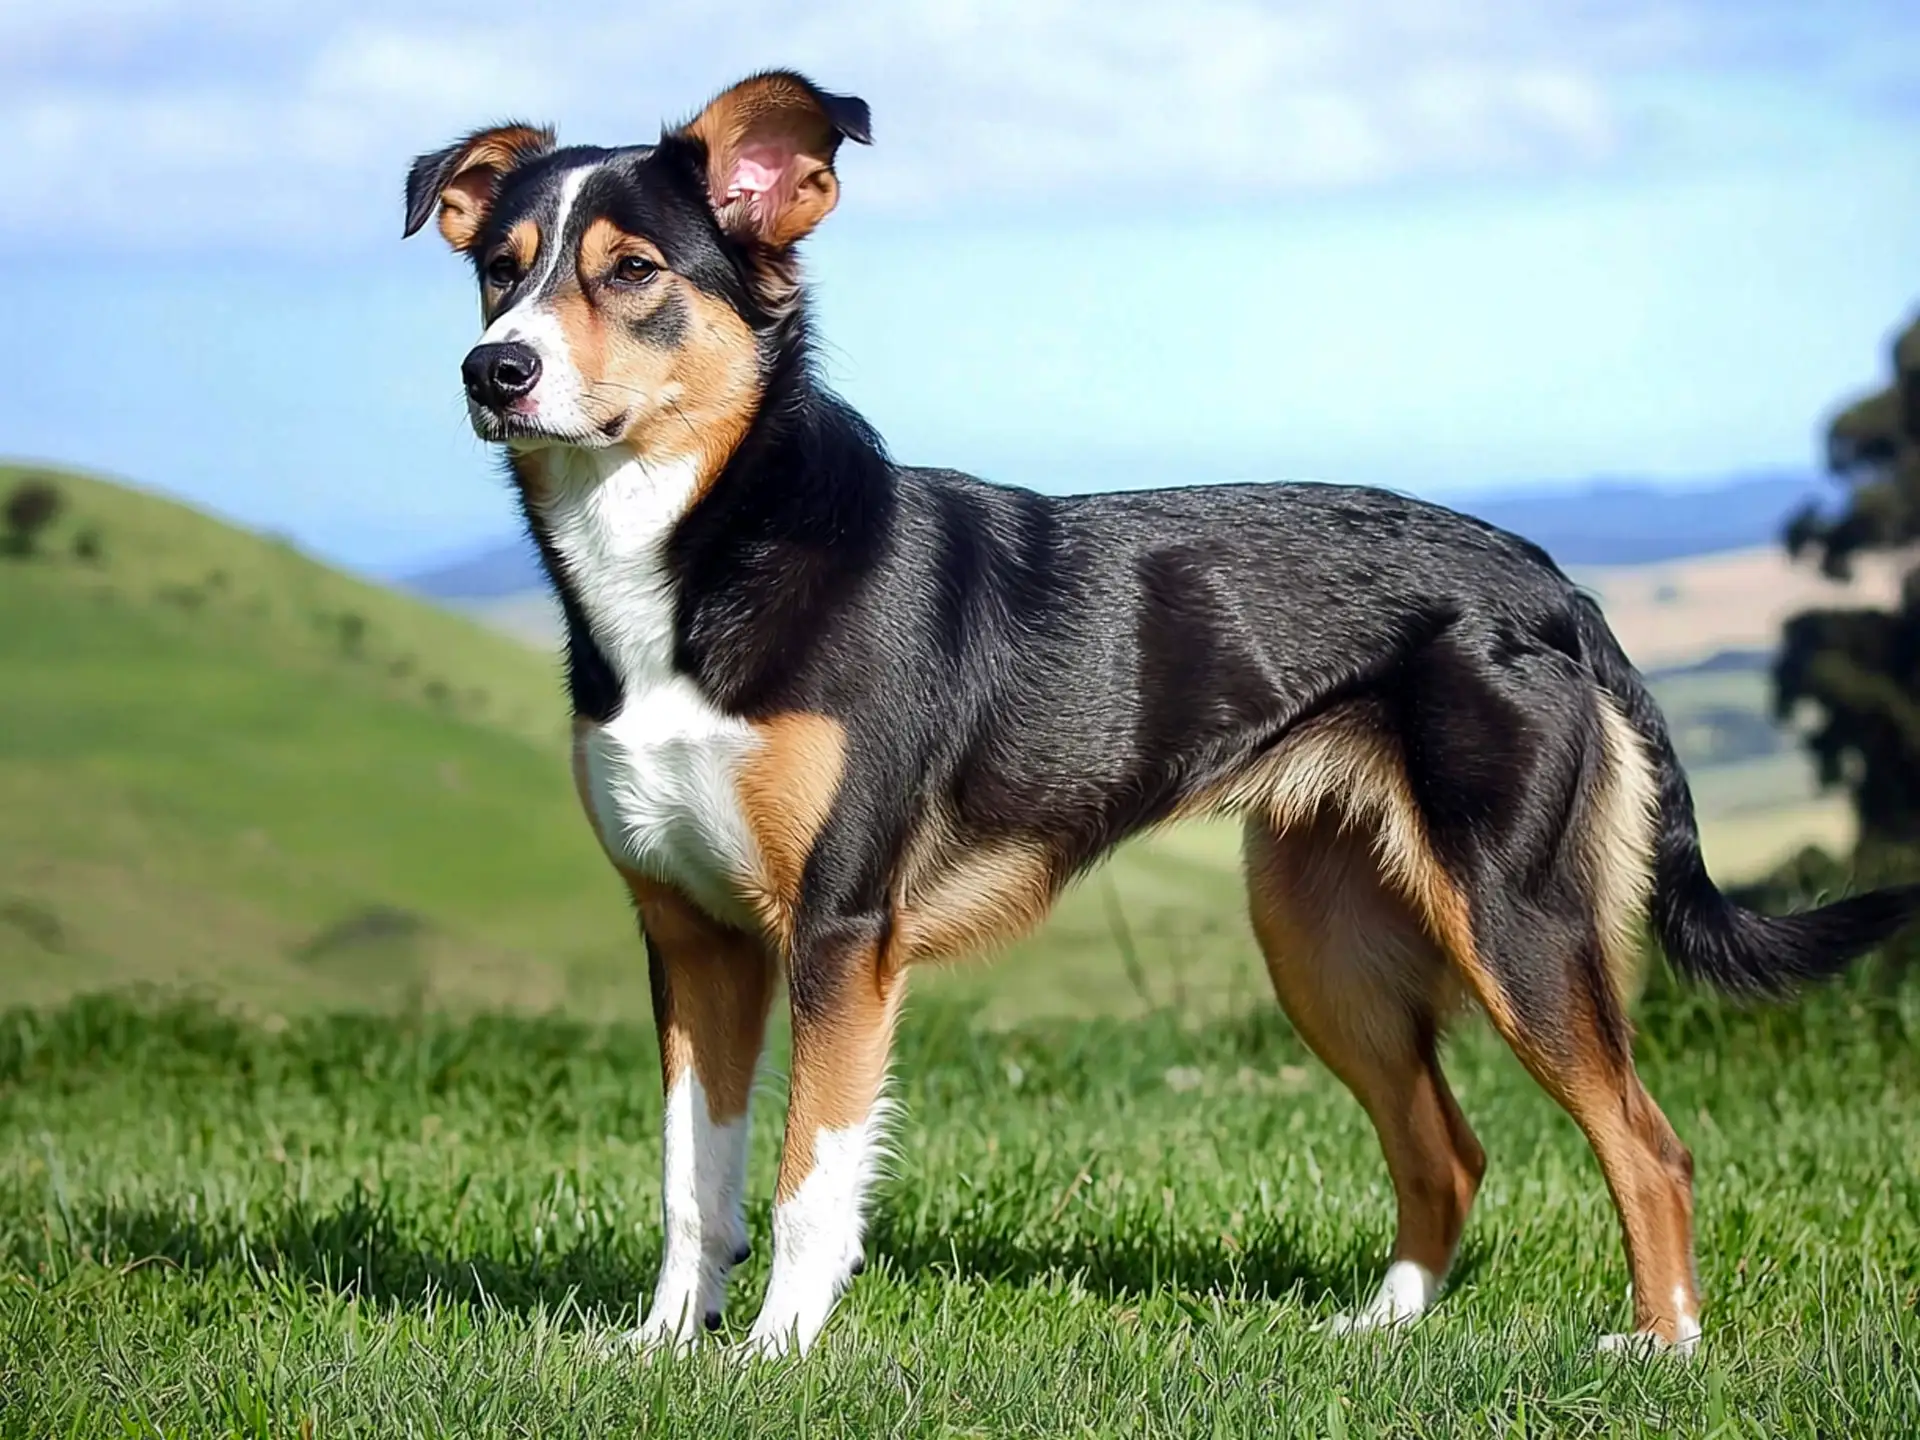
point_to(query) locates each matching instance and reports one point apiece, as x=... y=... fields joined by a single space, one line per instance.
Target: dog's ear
x=463 y=178
x=770 y=143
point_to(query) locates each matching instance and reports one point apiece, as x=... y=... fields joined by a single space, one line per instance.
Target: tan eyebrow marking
x=523 y=243
x=605 y=242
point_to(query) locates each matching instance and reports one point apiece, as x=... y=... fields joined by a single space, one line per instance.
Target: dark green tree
x=32 y=507
x=1858 y=669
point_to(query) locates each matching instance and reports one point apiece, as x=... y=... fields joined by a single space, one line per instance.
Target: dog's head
x=625 y=292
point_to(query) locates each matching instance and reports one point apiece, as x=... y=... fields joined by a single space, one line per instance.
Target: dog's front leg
x=845 y=998
x=711 y=988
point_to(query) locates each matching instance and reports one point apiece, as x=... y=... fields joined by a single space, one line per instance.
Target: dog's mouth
x=526 y=431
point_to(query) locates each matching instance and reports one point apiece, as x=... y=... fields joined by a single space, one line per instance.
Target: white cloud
x=275 y=124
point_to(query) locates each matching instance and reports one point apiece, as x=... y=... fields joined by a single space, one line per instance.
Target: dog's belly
x=661 y=784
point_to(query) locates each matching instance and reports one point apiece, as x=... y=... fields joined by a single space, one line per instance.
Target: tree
x=33 y=506
x=1859 y=669
x=88 y=546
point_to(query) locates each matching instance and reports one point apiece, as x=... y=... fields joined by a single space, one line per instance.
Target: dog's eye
x=502 y=270
x=634 y=270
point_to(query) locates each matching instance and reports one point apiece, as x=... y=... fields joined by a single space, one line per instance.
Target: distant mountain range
x=1607 y=522
x=505 y=568
x=1619 y=522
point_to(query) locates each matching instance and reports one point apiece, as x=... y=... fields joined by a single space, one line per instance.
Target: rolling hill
x=225 y=765
x=223 y=762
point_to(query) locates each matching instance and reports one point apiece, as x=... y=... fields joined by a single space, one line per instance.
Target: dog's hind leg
x=1366 y=987
x=1529 y=858
x=1536 y=975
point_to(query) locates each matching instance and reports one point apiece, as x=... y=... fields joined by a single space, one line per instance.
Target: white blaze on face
x=558 y=401
x=817 y=1235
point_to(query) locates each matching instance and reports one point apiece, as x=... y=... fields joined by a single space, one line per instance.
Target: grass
x=259 y=597
x=428 y=1226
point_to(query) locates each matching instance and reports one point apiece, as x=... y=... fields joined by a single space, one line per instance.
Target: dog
x=834 y=716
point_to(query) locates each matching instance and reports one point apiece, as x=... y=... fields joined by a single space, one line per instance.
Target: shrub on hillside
x=88 y=546
x=30 y=510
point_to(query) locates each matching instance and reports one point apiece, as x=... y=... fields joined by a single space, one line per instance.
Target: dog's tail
x=1706 y=935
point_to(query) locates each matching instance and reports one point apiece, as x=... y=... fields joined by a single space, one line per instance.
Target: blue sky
x=1448 y=247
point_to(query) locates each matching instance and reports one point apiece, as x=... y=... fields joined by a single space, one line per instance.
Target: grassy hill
x=223 y=762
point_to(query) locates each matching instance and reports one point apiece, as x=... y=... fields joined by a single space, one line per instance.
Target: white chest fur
x=661 y=777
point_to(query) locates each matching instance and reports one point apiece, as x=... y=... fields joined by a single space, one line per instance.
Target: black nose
x=497 y=375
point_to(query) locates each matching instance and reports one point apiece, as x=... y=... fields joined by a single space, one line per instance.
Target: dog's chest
x=660 y=780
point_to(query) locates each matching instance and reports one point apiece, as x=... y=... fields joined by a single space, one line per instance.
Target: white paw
x=678 y=1331
x=797 y=1310
x=1647 y=1345
x=1644 y=1344
x=644 y=1341
x=1366 y=1322
x=790 y=1322
x=1404 y=1296
x=768 y=1345
x=687 y=1300
x=706 y=1235
x=816 y=1242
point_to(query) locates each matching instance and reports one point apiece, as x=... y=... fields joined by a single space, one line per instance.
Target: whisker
x=610 y=385
x=692 y=429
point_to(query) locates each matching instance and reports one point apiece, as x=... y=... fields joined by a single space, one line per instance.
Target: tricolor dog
x=835 y=716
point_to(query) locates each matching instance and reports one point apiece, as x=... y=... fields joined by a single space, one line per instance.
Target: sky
x=1448 y=246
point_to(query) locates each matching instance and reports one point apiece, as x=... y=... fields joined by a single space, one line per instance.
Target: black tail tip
x=1773 y=956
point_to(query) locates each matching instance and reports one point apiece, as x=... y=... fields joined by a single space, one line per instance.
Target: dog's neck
x=604 y=517
x=640 y=548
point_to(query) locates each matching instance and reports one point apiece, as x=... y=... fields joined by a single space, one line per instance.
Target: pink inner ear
x=758 y=169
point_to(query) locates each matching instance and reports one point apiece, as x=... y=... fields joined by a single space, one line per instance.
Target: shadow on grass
x=1269 y=1264
x=357 y=1249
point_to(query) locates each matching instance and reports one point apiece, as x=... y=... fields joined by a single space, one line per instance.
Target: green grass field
x=425 y=1226
x=376 y=1151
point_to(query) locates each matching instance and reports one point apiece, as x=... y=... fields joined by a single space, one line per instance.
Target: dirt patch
x=1679 y=611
